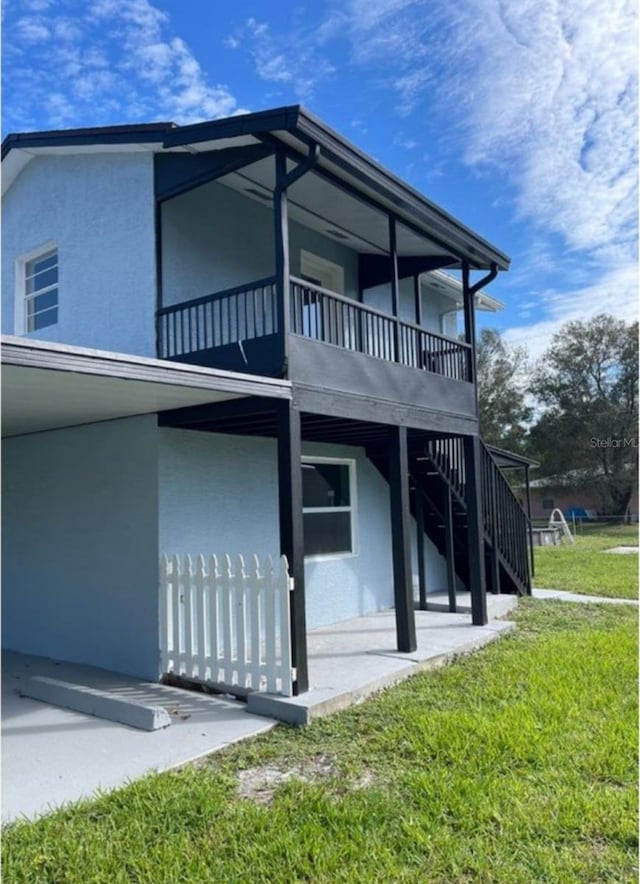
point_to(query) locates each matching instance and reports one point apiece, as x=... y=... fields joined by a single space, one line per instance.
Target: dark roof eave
x=397 y=191
x=130 y=134
x=304 y=125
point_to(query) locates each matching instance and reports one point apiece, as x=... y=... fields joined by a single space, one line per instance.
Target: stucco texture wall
x=218 y=494
x=98 y=209
x=80 y=545
x=214 y=238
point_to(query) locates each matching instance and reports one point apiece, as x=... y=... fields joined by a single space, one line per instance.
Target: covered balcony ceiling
x=331 y=210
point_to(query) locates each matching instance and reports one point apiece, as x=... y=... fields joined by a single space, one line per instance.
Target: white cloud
x=32 y=29
x=293 y=58
x=544 y=94
x=615 y=292
x=115 y=61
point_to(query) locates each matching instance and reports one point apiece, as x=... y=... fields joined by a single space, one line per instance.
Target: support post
x=401 y=540
x=450 y=552
x=475 y=531
x=291 y=532
x=281 y=236
x=395 y=287
x=417 y=299
x=469 y=325
x=422 y=575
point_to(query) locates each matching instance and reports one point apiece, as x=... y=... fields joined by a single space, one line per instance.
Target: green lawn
x=517 y=764
x=586 y=568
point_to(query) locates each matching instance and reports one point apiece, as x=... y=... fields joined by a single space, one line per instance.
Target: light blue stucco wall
x=80 y=545
x=219 y=494
x=434 y=305
x=99 y=211
x=214 y=238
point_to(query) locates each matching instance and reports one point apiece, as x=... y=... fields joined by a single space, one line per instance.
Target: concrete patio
x=51 y=755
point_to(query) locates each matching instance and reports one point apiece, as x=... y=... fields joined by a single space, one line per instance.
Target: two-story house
x=237 y=336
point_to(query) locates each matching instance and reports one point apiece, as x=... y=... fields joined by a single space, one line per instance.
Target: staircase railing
x=506 y=525
x=505 y=520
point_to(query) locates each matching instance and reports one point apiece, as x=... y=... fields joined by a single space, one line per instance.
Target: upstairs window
x=41 y=291
x=328 y=497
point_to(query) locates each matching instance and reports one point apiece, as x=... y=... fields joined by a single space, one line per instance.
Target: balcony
x=241 y=329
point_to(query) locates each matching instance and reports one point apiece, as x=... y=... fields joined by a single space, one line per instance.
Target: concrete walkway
x=353 y=659
x=51 y=755
x=563 y=595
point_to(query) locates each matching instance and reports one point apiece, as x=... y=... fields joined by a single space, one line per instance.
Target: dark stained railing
x=250 y=311
x=325 y=316
x=506 y=524
x=237 y=314
x=505 y=520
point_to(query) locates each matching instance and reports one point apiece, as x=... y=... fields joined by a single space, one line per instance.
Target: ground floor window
x=329 y=501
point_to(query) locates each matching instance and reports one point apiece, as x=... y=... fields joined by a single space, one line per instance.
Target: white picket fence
x=225 y=623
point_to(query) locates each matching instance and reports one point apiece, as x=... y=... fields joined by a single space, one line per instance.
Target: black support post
x=401 y=539
x=291 y=532
x=469 y=324
x=281 y=233
x=422 y=576
x=417 y=299
x=475 y=530
x=395 y=286
x=450 y=552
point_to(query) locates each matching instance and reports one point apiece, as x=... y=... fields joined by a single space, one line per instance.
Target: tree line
x=574 y=410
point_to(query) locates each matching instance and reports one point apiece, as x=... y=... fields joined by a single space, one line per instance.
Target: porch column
x=291 y=532
x=281 y=236
x=401 y=539
x=475 y=530
x=417 y=299
x=422 y=575
x=395 y=286
x=469 y=325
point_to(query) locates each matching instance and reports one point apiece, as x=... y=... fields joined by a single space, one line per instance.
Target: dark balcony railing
x=333 y=319
x=237 y=314
x=250 y=311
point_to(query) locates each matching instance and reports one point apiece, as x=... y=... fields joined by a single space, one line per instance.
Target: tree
x=587 y=386
x=502 y=376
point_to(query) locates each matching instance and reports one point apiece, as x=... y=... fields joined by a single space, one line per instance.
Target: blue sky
x=520 y=118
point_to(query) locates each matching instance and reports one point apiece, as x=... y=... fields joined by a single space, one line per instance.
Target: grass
x=517 y=764
x=586 y=568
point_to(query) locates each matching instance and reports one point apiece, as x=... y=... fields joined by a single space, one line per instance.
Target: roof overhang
x=298 y=131
x=508 y=460
x=49 y=386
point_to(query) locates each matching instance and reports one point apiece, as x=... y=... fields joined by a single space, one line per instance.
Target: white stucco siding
x=80 y=545
x=219 y=494
x=98 y=210
x=214 y=238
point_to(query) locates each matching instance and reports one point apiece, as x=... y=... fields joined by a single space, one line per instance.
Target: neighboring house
x=237 y=336
x=574 y=496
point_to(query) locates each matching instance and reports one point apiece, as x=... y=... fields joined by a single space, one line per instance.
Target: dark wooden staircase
x=438 y=499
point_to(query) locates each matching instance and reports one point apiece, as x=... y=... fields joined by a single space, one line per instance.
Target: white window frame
x=20 y=296
x=352 y=508
x=331 y=275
